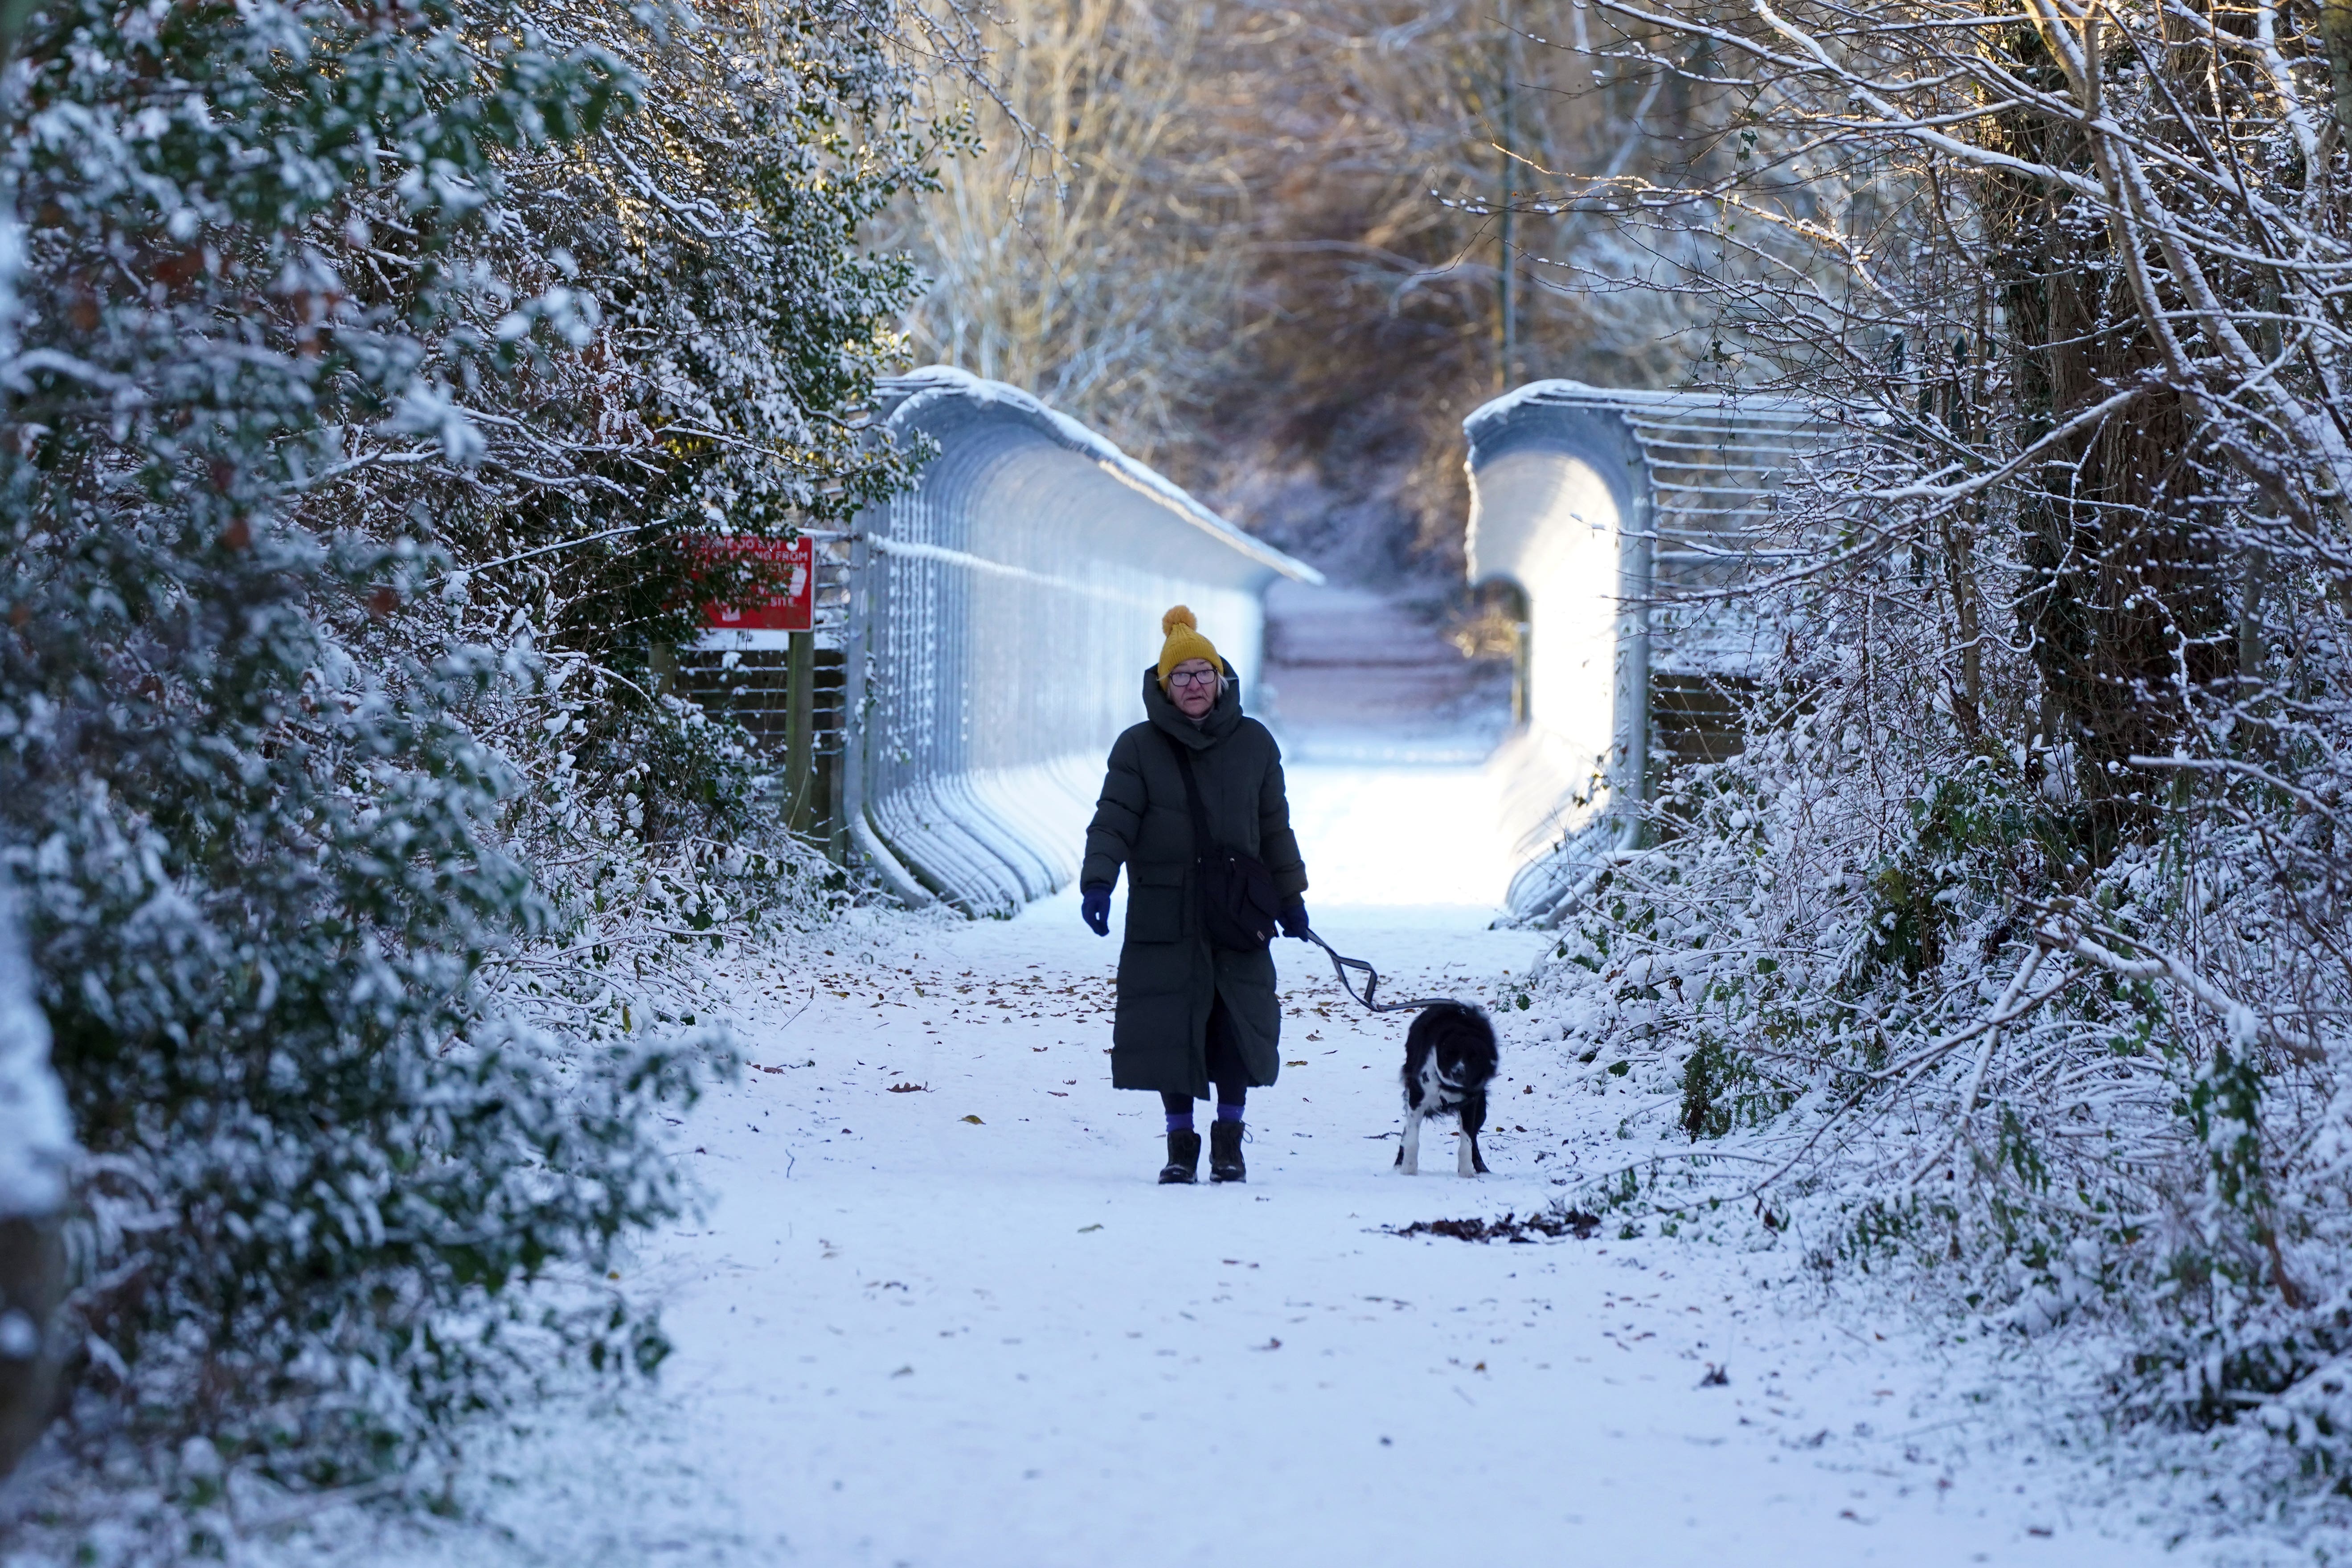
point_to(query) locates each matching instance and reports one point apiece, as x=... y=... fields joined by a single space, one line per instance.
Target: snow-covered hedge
x=36 y=1139
x=376 y=370
x=1873 y=993
x=36 y=1149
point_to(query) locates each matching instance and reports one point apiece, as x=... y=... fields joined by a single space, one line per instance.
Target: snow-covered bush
x=36 y=1151
x=377 y=367
x=2013 y=948
x=1877 y=984
x=35 y=1137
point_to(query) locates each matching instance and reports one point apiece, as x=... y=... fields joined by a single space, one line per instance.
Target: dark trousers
x=1226 y=1069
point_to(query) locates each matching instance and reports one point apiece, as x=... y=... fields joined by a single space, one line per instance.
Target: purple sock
x=1229 y=1111
x=1179 y=1120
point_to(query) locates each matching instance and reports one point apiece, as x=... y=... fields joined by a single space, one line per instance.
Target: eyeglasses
x=1192 y=677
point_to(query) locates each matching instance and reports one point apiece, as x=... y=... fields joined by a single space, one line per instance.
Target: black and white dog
x=1449 y=1058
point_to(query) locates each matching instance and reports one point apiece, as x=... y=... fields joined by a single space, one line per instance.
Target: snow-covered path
x=956 y=1324
x=909 y=1337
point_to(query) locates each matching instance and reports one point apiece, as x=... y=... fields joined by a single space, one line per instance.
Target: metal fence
x=997 y=622
x=788 y=689
x=1620 y=516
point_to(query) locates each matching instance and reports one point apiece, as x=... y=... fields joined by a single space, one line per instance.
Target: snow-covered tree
x=377 y=368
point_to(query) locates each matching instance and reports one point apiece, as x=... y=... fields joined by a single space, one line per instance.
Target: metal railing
x=1621 y=516
x=998 y=621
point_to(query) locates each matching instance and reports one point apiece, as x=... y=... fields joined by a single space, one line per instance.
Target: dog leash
x=1340 y=967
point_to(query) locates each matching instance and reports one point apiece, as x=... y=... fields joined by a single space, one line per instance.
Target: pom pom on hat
x=1184 y=641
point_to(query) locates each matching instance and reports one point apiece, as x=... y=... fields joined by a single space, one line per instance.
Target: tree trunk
x=2335 y=37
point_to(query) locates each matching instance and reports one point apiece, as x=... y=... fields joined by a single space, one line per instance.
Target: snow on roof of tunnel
x=921 y=389
x=1560 y=391
x=1677 y=431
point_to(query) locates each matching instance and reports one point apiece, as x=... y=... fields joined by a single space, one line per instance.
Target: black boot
x=1225 y=1152
x=1183 y=1160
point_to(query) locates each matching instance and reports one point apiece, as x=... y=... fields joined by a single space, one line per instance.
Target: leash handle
x=1367 y=997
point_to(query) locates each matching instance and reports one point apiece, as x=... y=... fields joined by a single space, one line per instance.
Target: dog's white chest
x=1436 y=1093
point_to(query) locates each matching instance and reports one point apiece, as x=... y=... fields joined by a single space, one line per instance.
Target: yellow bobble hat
x=1184 y=641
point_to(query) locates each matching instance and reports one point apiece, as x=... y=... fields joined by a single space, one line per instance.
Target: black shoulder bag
x=1238 y=903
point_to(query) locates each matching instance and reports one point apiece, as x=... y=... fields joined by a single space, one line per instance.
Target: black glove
x=1294 y=921
x=1094 y=908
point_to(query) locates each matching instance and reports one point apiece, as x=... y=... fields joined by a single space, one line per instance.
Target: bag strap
x=1201 y=843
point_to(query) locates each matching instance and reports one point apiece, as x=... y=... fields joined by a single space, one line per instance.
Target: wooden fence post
x=800 y=729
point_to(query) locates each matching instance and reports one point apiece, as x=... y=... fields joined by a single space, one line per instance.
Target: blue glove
x=1294 y=921
x=1094 y=908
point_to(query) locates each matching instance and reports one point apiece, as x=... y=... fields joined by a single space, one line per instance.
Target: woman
x=1190 y=1013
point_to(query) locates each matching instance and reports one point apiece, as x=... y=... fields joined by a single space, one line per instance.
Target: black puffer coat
x=1168 y=974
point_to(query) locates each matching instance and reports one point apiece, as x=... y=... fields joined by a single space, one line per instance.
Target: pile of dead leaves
x=1554 y=1222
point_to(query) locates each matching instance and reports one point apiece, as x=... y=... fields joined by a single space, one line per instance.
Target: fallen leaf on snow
x=909 y=1088
x=1083 y=1228
x=975 y=1120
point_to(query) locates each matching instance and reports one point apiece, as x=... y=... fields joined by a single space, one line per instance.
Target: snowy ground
x=958 y=1324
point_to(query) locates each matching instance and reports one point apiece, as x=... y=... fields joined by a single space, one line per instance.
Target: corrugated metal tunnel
x=1622 y=519
x=1000 y=615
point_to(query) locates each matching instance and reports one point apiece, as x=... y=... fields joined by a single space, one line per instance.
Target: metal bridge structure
x=1623 y=521
x=981 y=639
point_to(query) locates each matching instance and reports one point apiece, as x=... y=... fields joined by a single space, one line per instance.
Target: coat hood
x=1165 y=716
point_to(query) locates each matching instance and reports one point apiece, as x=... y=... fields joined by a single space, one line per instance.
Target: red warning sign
x=794 y=609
